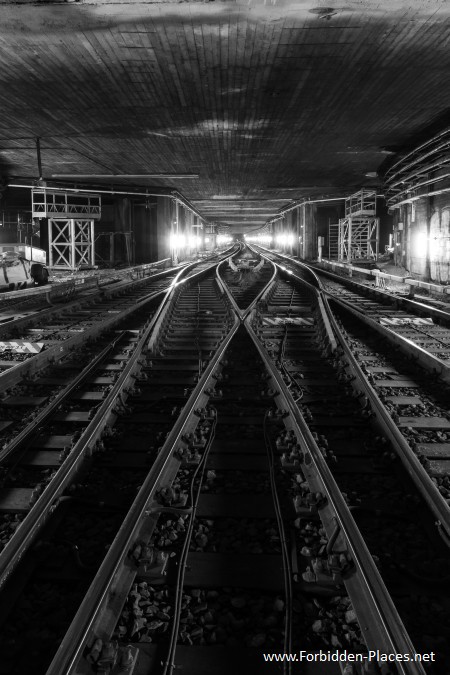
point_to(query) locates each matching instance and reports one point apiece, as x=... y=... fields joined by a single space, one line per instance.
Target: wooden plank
x=397 y=383
x=441 y=450
x=41 y=458
x=234 y=506
x=55 y=442
x=424 y=422
x=88 y=395
x=237 y=461
x=439 y=467
x=212 y=570
x=24 y=401
x=73 y=416
x=223 y=446
x=15 y=500
x=219 y=659
x=126 y=458
x=404 y=400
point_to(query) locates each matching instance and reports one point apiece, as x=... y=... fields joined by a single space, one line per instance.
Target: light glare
x=177 y=241
x=259 y=238
x=223 y=239
x=284 y=239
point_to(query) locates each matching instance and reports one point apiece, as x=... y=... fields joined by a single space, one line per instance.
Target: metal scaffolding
x=362 y=203
x=356 y=237
x=71 y=243
x=48 y=203
x=71 y=216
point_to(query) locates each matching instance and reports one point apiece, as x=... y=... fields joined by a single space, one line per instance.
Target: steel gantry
x=71 y=218
x=356 y=237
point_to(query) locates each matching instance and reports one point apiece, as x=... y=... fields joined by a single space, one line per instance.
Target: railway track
x=239 y=541
x=68 y=466
x=363 y=442
x=408 y=402
x=420 y=329
x=29 y=344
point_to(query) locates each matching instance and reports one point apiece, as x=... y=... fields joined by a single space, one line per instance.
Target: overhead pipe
x=416 y=165
x=421 y=147
x=430 y=181
x=182 y=200
x=416 y=198
x=172 y=195
x=309 y=201
x=401 y=179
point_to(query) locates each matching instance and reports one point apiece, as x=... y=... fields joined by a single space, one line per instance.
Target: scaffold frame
x=71 y=243
x=362 y=203
x=48 y=203
x=358 y=239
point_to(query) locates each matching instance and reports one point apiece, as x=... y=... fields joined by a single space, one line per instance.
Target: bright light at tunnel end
x=224 y=239
x=258 y=238
x=284 y=239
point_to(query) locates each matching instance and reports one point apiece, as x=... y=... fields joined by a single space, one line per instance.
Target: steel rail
x=72 y=645
x=414 y=305
x=49 y=410
x=11 y=555
x=314 y=287
x=115 y=289
x=285 y=554
x=420 y=477
x=169 y=664
x=431 y=363
x=243 y=313
x=25 y=293
x=385 y=621
x=15 y=374
x=58 y=351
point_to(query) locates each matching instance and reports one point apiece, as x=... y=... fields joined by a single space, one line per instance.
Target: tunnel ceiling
x=266 y=101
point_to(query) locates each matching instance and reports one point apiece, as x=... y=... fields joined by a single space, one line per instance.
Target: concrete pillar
x=165 y=215
x=310 y=230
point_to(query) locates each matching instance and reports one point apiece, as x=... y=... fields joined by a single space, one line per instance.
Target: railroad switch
x=214 y=393
x=205 y=413
x=307 y=501
x=167 y=496
x=289 y=462
x=187 y=456
x=327 y=571
x=277 y=414
x=110 y=658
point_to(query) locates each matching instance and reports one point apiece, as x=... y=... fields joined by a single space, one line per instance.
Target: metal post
x=72 y=243
x=50 y=247
x=349 y=246
x=92 y=244
x=377 y=250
